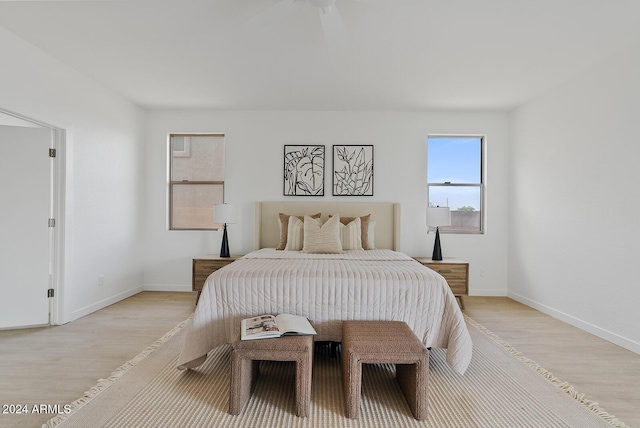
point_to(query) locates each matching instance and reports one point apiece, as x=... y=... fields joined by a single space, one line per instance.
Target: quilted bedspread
x=327 y=289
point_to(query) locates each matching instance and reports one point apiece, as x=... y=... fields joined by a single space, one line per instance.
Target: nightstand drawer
x=205 y=266
x=456 y=272
x=456 y=277
x=451 y=272
x=457 y=287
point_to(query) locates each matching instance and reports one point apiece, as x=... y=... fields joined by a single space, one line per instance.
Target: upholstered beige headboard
x=385 y=214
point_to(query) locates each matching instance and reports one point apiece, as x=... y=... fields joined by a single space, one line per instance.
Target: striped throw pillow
x=351 y=235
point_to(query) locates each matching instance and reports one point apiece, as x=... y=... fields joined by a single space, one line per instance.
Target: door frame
x=57 y=194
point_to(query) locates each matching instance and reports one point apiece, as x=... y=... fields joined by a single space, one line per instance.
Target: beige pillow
x=322 y=238
x=351 y=235
x=283 y=221
x=364 y=225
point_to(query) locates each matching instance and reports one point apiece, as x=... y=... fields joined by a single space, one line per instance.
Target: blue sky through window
x=454 y=160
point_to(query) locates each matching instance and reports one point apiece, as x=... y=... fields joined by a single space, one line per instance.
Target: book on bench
x=269 y=326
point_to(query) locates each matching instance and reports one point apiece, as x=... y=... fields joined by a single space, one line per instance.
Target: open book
x=265 y=326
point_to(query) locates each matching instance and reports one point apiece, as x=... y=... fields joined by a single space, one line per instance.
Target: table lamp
x=224 y=213
x=436 y=217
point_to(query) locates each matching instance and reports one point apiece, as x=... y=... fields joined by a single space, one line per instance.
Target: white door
x=25 y=200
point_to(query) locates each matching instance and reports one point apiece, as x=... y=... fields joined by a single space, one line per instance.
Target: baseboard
x=167 y=287
x=489 y=293
x=22 y=327
x=583 y=325
x=103 y=303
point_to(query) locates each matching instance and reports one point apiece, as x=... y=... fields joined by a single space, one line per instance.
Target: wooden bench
x=377 y=342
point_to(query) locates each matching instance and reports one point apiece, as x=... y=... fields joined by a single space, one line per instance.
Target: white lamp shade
x=438 y=216
x=224 y=213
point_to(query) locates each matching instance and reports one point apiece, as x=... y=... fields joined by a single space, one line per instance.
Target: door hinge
x=52 y=153
x=52 y=222
x=50 y=292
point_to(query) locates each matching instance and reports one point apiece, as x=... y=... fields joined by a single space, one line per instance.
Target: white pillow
x=295 y=231
x=322 y=238
x=372 y=235
x=351 y=235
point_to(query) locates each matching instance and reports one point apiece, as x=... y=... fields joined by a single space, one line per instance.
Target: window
x=196 y=180
x=454 y=180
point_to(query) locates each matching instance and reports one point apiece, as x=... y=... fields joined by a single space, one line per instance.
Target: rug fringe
x=103 y=384
x=565 y=386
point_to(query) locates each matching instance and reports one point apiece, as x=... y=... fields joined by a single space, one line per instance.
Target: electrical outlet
x=100 y=280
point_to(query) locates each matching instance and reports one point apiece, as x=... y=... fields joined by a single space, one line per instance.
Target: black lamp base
x=437 y=252
x=224 y=249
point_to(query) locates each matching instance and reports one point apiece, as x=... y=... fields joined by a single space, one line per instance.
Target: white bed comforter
x=327 y=289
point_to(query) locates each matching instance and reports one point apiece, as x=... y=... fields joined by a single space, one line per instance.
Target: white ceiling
x=275 y=54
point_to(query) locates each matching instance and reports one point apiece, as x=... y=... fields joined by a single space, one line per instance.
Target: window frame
x=481 y=186
x=172 y=183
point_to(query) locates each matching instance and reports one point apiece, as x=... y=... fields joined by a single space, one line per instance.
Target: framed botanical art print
x=353 y=170
x=303 y=170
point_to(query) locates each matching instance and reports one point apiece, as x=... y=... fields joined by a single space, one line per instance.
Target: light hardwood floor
x=55 y=365
x=605 y=373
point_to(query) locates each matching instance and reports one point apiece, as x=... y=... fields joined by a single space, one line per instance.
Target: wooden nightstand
x=204 y=266
x=456 y=272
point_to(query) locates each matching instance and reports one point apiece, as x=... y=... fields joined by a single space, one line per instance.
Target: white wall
x=254 y=147
x=104 y=171
x=574 y=201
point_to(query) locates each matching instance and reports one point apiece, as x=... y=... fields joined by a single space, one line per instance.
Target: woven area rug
x=501 y=388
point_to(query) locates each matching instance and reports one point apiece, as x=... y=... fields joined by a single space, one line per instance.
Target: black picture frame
x=303 y=170
x=352 y=170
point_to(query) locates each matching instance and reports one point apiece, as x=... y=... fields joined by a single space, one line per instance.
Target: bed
x=377 y=283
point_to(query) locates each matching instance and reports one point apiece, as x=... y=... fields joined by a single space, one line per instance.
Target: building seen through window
x=196 y=180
